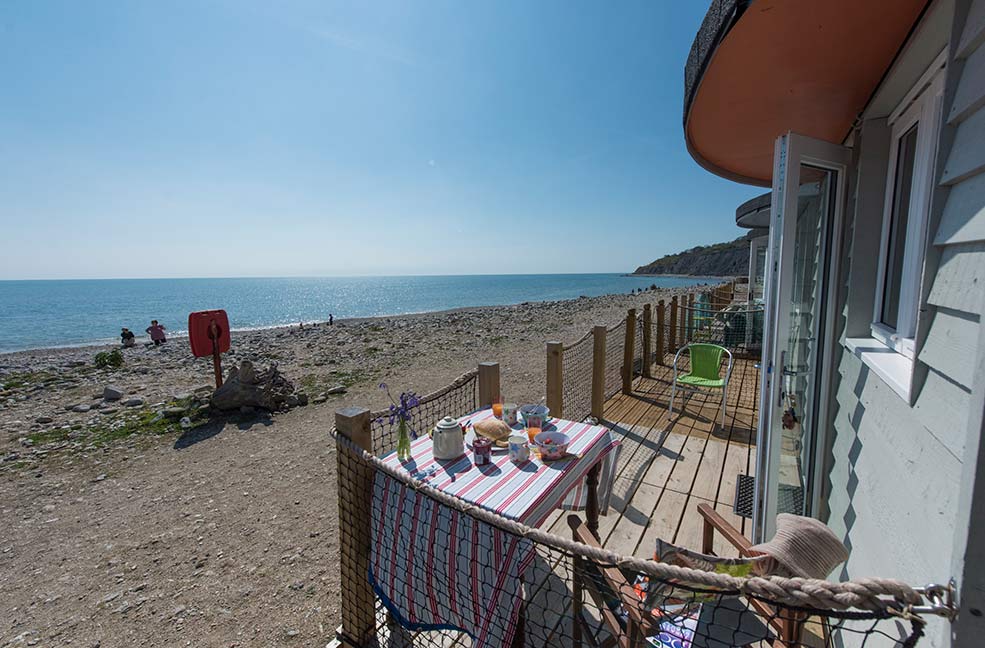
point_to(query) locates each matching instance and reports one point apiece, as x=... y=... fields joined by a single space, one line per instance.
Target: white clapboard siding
x=963 y=220
x=960 y=278
x=951 y=343
x=973 y=34
x=970 y=93
x=942 y=408
x=967 y=156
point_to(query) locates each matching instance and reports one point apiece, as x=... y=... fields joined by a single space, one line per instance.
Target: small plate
x=470 y=437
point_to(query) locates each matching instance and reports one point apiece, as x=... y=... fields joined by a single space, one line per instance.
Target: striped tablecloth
x=435 y=568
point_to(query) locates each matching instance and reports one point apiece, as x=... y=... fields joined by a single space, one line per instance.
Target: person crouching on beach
x=126 y=336
x=156 y=332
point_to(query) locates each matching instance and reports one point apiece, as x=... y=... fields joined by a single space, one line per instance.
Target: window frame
x=922 y=107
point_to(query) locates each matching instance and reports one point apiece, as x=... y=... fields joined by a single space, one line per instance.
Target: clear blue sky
x=325 y=138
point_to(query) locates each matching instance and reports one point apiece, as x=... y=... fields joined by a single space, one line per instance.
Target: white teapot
x=448 y=441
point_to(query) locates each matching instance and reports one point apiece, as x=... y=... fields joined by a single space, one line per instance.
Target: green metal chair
x=705 y=373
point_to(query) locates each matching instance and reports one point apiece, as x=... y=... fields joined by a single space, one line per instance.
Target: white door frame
x=790 y=151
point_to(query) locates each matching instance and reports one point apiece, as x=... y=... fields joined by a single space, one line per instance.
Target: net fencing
x=576 y=381
x=615 y=343
x=458 y=398
x=445 y=572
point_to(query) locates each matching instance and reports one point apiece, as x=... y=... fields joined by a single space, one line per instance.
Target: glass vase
x=403 y=441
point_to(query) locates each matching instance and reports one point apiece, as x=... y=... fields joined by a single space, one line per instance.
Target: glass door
x=808 y=189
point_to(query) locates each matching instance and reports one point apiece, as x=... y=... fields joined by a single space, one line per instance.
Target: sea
x=56 y=313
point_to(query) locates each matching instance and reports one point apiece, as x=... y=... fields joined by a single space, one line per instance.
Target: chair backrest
x=705 y=360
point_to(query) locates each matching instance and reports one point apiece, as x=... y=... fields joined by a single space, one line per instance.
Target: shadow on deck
x=670 y=465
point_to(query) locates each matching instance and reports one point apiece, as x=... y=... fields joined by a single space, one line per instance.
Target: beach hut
x=867 y=120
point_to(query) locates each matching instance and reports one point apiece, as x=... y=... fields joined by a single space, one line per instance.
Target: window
x=904 y=230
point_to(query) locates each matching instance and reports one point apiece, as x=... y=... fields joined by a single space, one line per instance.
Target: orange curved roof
x=788 y=65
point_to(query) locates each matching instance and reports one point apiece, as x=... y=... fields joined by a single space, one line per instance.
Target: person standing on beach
x=126 y=336
x=331 y=320
x=157 y=333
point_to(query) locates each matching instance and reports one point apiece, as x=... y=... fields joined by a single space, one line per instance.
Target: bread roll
x=493 y=428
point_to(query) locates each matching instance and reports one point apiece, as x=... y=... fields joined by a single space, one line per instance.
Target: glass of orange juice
x=532 y=431
x=497 y=407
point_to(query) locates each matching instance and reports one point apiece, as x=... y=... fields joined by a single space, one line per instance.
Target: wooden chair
x=605 y=583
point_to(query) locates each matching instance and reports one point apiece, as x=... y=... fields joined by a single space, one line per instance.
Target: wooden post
x=488 y=383
x=647 y=340
x=660 y=332
x=672 y=334
x=355 y=492
x=555 y=384
x=598 y=372
x=690 y=317
x=682 y=325
x=628 y=352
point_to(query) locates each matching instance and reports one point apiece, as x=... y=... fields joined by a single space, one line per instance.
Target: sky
x=237 y=138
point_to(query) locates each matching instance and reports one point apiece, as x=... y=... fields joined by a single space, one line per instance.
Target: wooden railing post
x=682 y=325
x=598 y=371
x=690 y=317
x=672 y=334
x=660 y=332
x=629 y=352
x=355 y=493
x=488 y=383
x=555 y=373
x=647 y=340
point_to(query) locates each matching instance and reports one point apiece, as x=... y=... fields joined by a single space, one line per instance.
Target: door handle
x=783 y=371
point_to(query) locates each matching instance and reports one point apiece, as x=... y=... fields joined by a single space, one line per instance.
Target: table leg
x=592 y=505
x=521 y=622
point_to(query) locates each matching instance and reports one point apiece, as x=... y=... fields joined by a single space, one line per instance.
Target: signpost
x=208 y=333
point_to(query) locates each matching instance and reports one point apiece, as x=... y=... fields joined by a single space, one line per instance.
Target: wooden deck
x=667 y=467
x=670 y=465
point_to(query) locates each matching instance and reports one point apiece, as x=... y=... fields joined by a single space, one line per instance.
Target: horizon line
x=355 y=276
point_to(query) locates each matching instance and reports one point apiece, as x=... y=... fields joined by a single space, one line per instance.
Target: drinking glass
x=497 y=407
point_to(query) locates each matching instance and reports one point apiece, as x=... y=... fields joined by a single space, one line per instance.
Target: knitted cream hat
x=805 y=546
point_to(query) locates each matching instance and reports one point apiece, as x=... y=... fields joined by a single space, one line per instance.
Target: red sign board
x=203 y=327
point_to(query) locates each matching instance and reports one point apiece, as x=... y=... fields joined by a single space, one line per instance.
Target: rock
x=43 y=420
x=244 y=387
x=302 y=398
x=185 y=423
x=338 y=389
x=112 y=393
x=81 y=408
x=247 y=374
x=174 y=413
x=133 y=402
x=291 y=401
x=109 y=410
x=100 y=477
x=319 y=399
x=184 y=396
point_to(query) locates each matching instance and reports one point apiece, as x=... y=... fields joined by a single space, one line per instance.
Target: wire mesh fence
x=445 y=572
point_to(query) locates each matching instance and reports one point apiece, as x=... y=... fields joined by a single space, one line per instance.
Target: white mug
x=519 y=452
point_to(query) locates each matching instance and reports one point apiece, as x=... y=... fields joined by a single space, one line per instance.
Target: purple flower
x=402 y=410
